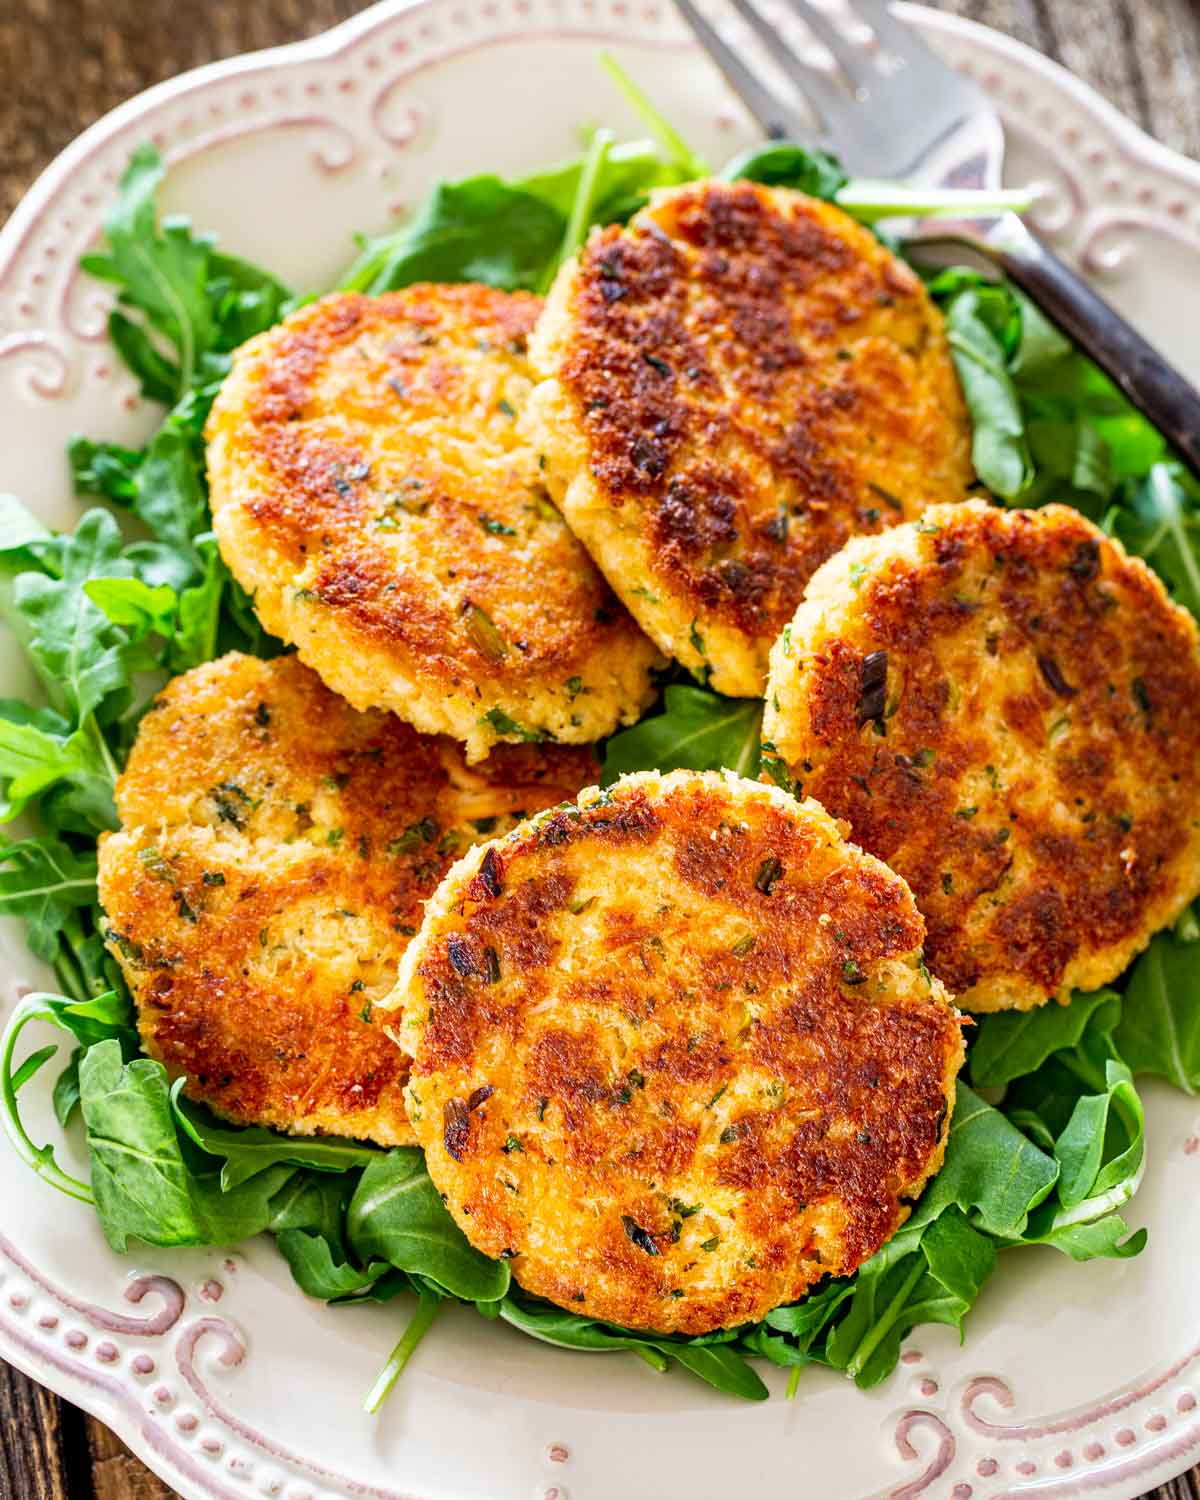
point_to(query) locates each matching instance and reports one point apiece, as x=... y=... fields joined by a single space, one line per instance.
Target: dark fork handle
x=1156 y=388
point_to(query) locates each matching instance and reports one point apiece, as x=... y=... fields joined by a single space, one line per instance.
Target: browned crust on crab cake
x=1038 y=780
x=675 y=1054
x=739 y=381
x=372 y=491
x=275 y=851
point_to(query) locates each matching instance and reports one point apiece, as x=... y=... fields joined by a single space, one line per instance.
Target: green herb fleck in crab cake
x=275 y=850
x=1005 y=707
x=737 y=382
x=372 y=491
x=676 y=1055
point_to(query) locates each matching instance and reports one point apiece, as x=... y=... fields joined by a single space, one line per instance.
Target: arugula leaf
x=1159 y=1030
x=719 y=1365
x=163 y=274
x=1093 y=1239
x=785 y=164
x=310 y=1259
x=1085 y=1169
x=991 y=1171
x=250 y=1149
x=44 y=882
x=106 y=470
x=397 y=1215
x=481 y=229
x=188 y=622
x=936 y=1283
x=24 y=541
x=139 y=1178
x=716 y=1363
x=65 y=1097
x=630 y=170
x=229 y=1217
x=998 y=446
x=169 y=493
x=142 y=1183
x=194 y=300
x=1011 y=1043
x=696 y=729
x=314 y=1201
x=38 y=750
x=1162 y=525
x=245 y=300
x=803 y=1321
x=77 y=651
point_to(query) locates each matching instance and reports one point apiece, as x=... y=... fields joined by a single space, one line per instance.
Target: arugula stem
x=793 y=1384
x=884 y=1324
x=1167 y=498
x=40 y=1158
x=69 y=974
x=655 y=1358
x=214 y=620
x=106 y=755
x=419 y=1325
x=585 y=197
x=868 y=201
x=680 y=153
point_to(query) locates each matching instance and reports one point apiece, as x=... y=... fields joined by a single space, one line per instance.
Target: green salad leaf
x=716 y=1363
x=785 y=164
x=73 y=645
x=992 y=1171
x=396 y=1215
x=1011 y=1043
x=1159 y=1031
x=194 y=303
x=999 y=446
x=311 y=1261
x=249 y=1150
x=696 y=729
x=44 y=881
x=936 y=1282
x=139 y=1177
x=1161 y=524
x=481 y=229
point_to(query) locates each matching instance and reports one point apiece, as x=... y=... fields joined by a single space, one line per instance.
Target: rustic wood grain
x=69 y=61
x=115 y=1473
x=43 y=1449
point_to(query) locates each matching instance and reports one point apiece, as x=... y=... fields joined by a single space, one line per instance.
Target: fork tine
x=776 y=117
x=851 y=59
x=898 y=36
x=818 y=90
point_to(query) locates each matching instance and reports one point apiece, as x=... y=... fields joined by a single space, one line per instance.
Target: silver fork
x=896 y=110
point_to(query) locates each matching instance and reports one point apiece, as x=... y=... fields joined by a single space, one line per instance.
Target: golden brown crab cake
x=739 y=381
x=675 y=1054
x=372 y=491
x=275 y=851
x=1006 y=708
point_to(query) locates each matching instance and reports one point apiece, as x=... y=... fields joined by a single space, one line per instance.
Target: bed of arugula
x=1047 y=1138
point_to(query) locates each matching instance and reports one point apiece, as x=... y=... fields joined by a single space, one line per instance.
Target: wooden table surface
x=68 y=61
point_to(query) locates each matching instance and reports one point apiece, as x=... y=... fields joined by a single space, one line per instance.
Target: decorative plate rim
x=128 y=1405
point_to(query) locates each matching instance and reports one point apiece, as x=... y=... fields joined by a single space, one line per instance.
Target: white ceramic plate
x=214 y=1368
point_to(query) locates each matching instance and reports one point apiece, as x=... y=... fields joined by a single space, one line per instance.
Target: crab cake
x=275 y=851
x=675 y=1052
x=1006 y=708
x=371 y=490
x=738 y=382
